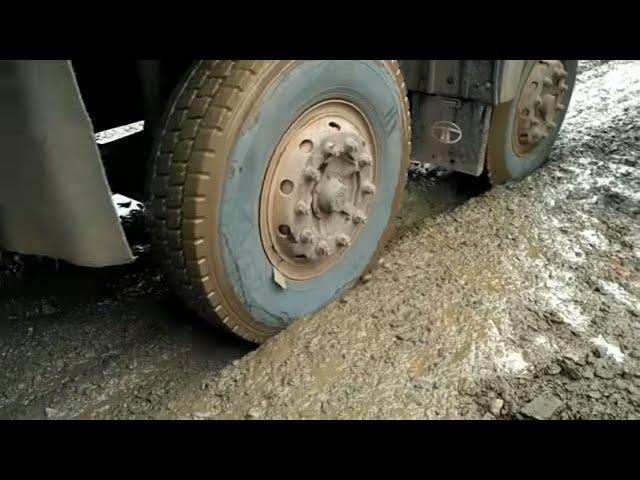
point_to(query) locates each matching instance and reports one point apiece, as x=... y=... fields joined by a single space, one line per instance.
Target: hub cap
x=540 y=105
x=319 y=189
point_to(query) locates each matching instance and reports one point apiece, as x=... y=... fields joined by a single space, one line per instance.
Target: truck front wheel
x=274 y=184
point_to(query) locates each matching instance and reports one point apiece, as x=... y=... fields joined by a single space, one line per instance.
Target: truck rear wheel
x=274 y=184
x=522 y=131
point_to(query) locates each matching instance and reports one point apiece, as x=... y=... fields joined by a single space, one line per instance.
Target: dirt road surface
x=519 y=302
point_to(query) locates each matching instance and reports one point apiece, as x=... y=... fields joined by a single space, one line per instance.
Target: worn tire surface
x=192 y=165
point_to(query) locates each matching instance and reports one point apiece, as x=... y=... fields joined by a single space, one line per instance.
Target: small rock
x=570 y=371
x=553 y=317
x=51 y=412
x=495 y=406
x=405 y=336
x=526 y=338
x=488 y=416
x=543 y=407
x=366 y=278
x=587 y=372
x=554 y=369
x=602 y=370
x=572 y=387
x=594 y=394
x=254 y=413
x=47 y=309
x=201 y=416
x=620 y=384
x=633 y=390
x=422 y=384
x=576 y=358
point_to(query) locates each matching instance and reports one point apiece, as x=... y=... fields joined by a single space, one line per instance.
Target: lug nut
x=343 y=240
x=311 y=174
x=364 y=160
x=302 y=208
x=368 y=188
x=352 y=144
x=307 y=236
x=329 y=147
x=358 y=217
x=323 y=248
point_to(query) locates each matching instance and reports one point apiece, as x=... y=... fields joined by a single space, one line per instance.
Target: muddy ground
x=519 y=302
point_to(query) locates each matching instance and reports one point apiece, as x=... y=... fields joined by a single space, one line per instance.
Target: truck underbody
x=73 y=179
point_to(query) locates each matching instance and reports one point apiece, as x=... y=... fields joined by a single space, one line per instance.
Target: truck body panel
x=54 y=197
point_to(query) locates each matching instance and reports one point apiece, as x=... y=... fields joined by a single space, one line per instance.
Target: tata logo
x=446 y=132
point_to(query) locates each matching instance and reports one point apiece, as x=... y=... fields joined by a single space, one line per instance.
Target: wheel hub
x=539 y=105
x=319 y=188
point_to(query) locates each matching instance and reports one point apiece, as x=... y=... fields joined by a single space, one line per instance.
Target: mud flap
x=54 y=196
x=450 y=132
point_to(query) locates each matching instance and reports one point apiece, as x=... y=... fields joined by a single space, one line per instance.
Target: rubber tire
x=502 y=163
x=198 y=159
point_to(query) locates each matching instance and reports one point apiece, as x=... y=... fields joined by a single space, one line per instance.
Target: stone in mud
x=51 y=412
x=602 y=370
x=543 y=407
x=48 y=309
x=570 y=370
x=201 y=415
x=576 y=358
x=572 y=387
x=468 y=387
x=495 y=406
x=406 y=336
x=552 y=317
x=553 y=369
x=254 y=413
x=620 y=384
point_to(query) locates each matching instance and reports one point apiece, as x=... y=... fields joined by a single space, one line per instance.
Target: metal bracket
x=450 y=132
